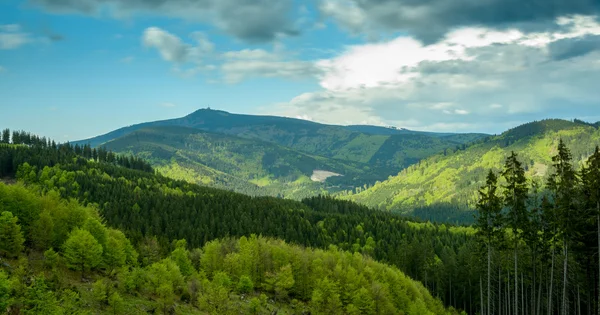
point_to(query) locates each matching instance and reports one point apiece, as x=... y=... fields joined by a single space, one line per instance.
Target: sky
x=73 y=69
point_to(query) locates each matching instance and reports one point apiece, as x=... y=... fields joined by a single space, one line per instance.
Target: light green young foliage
x=326 y=298
x=116 y=303
x=5 y=288
x=114 y=253
x=11 y=237
x=245 y=285
x=281 y=281
x=98 y=230
x=51 y=258
x=181 y=256
x=82 y=251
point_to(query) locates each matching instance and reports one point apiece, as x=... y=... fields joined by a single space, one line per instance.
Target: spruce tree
x=563 y=185
x=515 y=200
x=489 y=223
x=590 y=176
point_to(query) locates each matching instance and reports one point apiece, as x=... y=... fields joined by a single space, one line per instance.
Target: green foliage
x=39 y=300
x=116 y=303
x=245 y=285
x=448 y=183
x=82 y=251
x=11 y=238
x=181 y=257
x=5 y=298
x=51 y=258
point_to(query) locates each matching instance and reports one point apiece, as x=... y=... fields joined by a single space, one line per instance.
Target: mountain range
x=278 y=156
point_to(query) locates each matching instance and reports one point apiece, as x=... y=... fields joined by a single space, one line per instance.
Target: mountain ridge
x=454 y=177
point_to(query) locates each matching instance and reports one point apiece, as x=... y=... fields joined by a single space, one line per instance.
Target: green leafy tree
x=40 y=300
x=51 y=258
x=326 y=298
x=114 y=253
x=489 y=223
x=5 y=288
x=11 y=237
x=363 y=301
x=100 y=292
x=97 y=229
x=181 y=256
x=116 y=303
x=245 y=285
x=281 y=281
x=82 y=251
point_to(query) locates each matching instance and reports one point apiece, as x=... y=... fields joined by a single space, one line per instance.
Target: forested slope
x=249 y=166
x=144 y=205
x=59 y=258
x=451 y=179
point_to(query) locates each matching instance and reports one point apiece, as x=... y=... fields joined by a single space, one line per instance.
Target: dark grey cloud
x=430 y=20
x=573 y=47
x=249 y=20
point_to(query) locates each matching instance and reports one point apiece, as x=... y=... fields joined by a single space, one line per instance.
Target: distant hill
x=249 y=166
x=454 y=177
x=367 y=153
x=354 y=143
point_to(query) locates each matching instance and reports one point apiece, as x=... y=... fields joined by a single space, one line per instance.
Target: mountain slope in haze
x=245 y=165
x=353 y=143
x=454 y=177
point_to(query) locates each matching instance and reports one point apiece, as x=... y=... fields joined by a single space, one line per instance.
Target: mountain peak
x=208 y=110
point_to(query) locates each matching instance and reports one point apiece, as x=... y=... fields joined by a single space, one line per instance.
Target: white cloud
x=2 y=69
x=167 y=105
x=474 y=79
x=174 y=49
x=11 y=37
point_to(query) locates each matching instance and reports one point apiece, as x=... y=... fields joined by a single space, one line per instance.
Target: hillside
x=154 y=211
x=353 y=143
x=452 y=179
x=78 y=265
x=244 y=165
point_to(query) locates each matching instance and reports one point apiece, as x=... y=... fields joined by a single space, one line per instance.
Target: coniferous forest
x=88 y=230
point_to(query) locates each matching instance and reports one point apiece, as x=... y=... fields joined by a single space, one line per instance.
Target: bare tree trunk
x=489 y=278
x=481 y=295
x=534 y=287
x=565 y=300
x=516 y=281
x=578 y=302
x=522 y=293
x=539 y=297
x=508 y=301
x=551 y=282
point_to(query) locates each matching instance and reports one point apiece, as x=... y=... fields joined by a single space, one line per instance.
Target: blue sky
x=73 y=69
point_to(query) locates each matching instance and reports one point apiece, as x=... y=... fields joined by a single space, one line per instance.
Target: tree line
x=39 y=151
